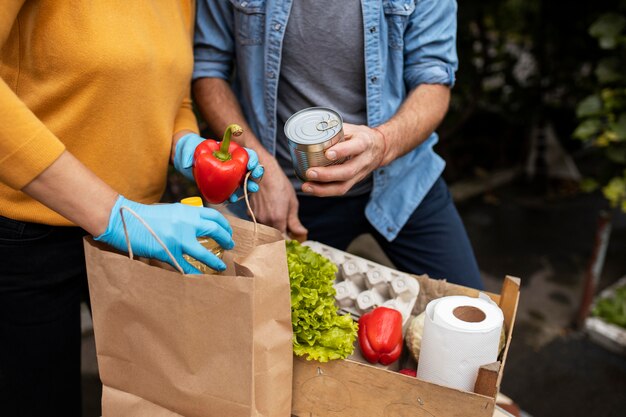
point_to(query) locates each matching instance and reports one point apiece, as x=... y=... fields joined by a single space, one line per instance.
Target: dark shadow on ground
x=547 y=240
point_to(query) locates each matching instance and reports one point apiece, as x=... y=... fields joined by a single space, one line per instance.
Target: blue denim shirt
x=407 y=43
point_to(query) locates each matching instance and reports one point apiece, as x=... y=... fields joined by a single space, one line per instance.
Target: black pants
x=42 y=282
x=433 y=241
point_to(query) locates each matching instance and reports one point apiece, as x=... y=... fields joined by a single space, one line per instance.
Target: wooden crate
x=346 y=388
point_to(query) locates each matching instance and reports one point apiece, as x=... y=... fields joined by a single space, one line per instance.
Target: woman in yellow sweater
x=94 y=104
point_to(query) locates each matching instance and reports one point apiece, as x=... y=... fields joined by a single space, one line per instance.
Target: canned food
x=310 y=132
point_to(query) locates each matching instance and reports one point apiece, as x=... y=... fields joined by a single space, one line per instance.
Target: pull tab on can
x=325 y=125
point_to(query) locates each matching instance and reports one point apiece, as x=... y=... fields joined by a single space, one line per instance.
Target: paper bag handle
x=147 y=226
x=246 y=197
x=286 y=236
x=245 y=194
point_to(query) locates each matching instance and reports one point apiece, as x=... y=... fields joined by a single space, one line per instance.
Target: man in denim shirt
x=387 y=67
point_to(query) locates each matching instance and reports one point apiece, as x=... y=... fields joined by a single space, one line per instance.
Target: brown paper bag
x=194 y=345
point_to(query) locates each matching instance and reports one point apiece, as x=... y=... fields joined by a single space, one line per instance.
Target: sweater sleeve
x=186 y=118
x=27 y=146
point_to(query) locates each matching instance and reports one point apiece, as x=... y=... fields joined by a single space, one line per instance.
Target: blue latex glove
x=183 y=161
x=177 y=225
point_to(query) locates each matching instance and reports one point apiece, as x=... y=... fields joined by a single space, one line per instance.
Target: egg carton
x=361 y=284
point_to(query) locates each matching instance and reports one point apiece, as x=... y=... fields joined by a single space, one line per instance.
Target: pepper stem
x=222 y=154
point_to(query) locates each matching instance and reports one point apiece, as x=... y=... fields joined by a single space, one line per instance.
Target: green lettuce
x=319 y=331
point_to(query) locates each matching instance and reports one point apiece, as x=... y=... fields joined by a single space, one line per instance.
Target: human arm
x=370 y=148
x=429 y=64
x=275 y=203
x=41 y=122
x=72 y=190
x=186 y=140
x=214 y=52
x=36 y=162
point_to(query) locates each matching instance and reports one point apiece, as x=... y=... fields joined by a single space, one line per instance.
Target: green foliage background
x=603 y=113
x=527 y=62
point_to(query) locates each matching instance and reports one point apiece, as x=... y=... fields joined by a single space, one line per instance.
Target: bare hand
x=364 y=147
x=276 y=204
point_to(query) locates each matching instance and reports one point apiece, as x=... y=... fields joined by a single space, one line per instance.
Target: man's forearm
x=420 y=114
x=219 y=108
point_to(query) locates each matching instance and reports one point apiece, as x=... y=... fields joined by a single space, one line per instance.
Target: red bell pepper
x=380 y=335
x=219 y=168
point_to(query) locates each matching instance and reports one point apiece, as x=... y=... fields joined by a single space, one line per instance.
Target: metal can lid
x=313 y=125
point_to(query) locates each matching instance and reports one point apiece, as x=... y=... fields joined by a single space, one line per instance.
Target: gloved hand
x=183 y=161
x=177 y=225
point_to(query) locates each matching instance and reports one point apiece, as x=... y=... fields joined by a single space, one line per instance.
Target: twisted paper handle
x=147 y=226
x=245 y=195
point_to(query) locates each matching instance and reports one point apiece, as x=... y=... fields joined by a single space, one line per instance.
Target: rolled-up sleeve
x=430 y=44
x=27 y=146
x=214 y=40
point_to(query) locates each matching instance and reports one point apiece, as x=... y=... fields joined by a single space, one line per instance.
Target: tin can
x=310 y=132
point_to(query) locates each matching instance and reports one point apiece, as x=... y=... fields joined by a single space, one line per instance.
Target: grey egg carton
x=362 y=284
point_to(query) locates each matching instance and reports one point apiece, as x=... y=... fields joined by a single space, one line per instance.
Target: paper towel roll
x=460 y=335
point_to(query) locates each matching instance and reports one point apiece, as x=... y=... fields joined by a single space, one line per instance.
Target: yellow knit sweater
x=107 y=80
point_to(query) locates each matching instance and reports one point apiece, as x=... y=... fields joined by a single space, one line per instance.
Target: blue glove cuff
x=183 y=157
x=177 y=227
x=115 y=220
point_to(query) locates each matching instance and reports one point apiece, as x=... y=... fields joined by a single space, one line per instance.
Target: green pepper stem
x=222 y=154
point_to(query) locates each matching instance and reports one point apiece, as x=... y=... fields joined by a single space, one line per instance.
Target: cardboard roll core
x=469 y=314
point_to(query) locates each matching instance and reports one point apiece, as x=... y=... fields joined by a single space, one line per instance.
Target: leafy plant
x=319 y=332
x=602 y=114
x=521 y=63
x=613 y=309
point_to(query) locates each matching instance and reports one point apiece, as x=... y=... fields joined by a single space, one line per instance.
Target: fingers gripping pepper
x=219 y=168
x=380 y=335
